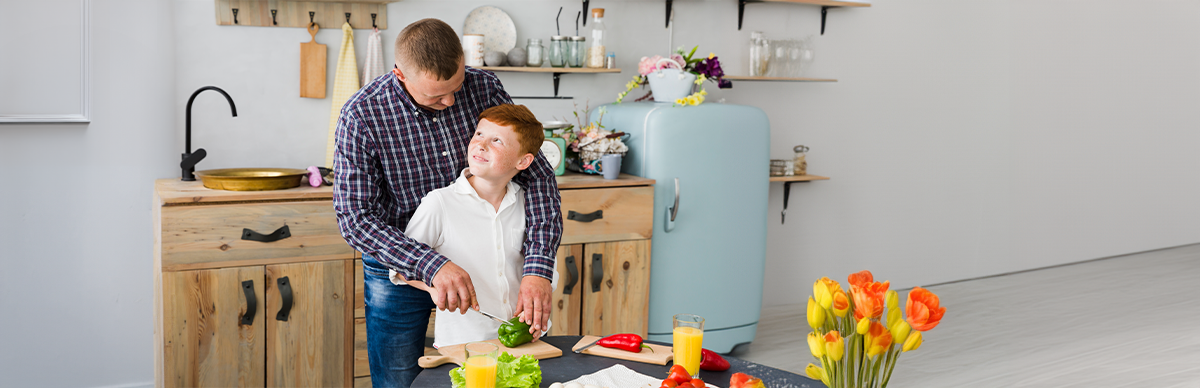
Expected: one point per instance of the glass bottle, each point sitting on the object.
(595, 53)
(533, 52)
(800, 166)
(558, 51)
(576, 51)
(756, 68)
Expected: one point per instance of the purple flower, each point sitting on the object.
(711, 68)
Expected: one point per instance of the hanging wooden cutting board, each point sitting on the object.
(660, 355)
(454, 353)
(312, 66)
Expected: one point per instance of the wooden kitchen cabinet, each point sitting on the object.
(205, 342)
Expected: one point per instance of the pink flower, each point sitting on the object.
(678, 59)
(648, 64)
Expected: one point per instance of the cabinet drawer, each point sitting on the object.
(212, 236)
(610, 214)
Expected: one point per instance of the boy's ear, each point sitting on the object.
(524, 162)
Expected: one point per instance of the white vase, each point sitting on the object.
(669, 85)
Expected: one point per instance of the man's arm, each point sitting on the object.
(543, 220)
(356, 199)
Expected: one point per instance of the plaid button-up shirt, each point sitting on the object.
(390, 153)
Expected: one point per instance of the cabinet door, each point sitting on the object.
(313, 346)
(205, 342)
(616, 287)
(565, 312)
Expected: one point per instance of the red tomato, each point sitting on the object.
(679, 374)
(698, 383)
(686, 385)
(668, 383)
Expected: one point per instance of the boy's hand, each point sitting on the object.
(534, 304)
(453, 290)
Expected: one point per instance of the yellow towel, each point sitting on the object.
(345, 83)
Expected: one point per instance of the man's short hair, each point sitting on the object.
(522, 121)
(429, 46)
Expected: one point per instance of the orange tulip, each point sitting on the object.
(869, 299)
(858, 279)
(924, 309)
(877, 340)
(841, 304)
(835, 346)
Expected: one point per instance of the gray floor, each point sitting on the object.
(1129, 321)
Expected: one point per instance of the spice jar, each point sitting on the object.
(801, 166)
(577, 50)
(533, 51)
(558, 51)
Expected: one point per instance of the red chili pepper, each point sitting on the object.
(626, 342)
(710, 360)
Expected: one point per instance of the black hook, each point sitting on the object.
(310, 17)
(273, 22)
(373, 25)
(347, 18)
(235, 16)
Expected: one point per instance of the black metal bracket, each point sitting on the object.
(669, 14)
(742, 12)
(373, 25)
(235, 10)
(574, 272)
(787, 192)
(251, 302)
(824, 11)
(597, 271)
(273, 22)
(557, 78)
(285, 291)
(585, 12)
(279, 234)
(581, 217)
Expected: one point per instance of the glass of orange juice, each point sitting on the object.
(481, 364)
(688, 337)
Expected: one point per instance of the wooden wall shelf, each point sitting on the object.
(782, 79)
(824, 4)
(326, 13)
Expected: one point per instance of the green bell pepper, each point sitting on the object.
(514, 333)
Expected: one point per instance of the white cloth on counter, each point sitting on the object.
(374, 67)
(620, 376)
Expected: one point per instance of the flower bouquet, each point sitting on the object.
(587, 143)
(867, 355)
(667, 76)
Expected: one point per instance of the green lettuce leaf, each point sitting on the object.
(511, 372)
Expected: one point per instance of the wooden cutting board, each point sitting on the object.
(312, 66)
(660, 356)
(454, 353)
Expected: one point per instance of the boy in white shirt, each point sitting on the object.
(479, 220)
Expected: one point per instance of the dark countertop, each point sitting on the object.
(570, 366)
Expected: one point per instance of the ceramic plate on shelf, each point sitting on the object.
(499, 32)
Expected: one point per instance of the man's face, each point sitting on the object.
(430, 93)
(495, 153)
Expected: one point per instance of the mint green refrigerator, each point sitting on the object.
(711, 167)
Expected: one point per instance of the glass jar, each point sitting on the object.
(558, 51)
(595, 53)
(576, 49)
(800, 166)
(533, 51)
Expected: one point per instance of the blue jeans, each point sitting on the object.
(397, 317)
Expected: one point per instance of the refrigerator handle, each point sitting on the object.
(673, 210)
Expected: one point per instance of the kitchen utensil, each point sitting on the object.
(251, 179)
(455, 353)
(657, 354)
(497, 28)
(312, 66)
(493, 317)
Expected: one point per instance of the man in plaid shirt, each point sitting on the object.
(400, 137)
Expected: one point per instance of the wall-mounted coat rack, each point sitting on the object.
(361, 14)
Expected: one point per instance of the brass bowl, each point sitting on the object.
(251, 179)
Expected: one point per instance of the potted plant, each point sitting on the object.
(675, 78)
(588, 142)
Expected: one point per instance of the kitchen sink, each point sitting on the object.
(251, 179)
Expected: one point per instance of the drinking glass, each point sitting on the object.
(688, 337)
(481, 364)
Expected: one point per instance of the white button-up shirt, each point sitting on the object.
(456, 222)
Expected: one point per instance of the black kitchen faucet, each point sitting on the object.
(191, 158)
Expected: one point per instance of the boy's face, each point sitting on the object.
(495, 152)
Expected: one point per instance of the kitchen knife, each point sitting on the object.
(493, 317)
(577, 351)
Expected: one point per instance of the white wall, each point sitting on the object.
(964, 139)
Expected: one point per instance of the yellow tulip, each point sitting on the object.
(841, 304)
(863, 325)
(835, 346)
(900, 331)
(816, 344)
(823, 294)
(914, 341)
(877, 340)
(893, 299)
(893, 315)
(816, 314)
(816, 373)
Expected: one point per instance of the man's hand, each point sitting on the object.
(534, 304)
(453, 290)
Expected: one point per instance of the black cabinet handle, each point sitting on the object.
(597, 271)
(285, 290)
(589, 217)
(574, 272)
(278, 234)
(251, 302)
